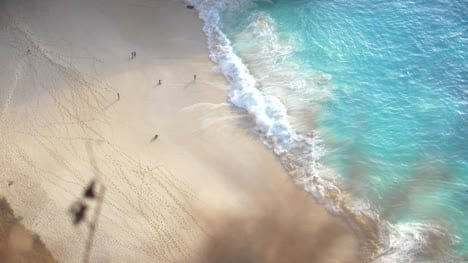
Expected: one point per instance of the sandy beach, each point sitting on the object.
(75, 107)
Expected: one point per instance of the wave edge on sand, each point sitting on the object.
(300, 154)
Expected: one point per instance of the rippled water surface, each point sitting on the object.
(384, 85)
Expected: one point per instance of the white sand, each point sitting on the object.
(205, 183)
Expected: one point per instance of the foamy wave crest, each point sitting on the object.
(300, 152)
(270, 114)
(265, 43)
(416, 242)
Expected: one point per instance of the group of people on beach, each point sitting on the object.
(132, 56)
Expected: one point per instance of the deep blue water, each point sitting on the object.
(385, 85)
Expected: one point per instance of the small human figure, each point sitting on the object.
(78, 212)
(118, 96)
(90, 191)
(10, 183)
(133, 54)
(28, 52)
(159, 82)
(155, 138)
(194, 77)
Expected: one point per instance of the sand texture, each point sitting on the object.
(75, 107)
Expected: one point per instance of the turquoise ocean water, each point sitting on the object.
(369, 98)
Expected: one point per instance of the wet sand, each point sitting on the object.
(206, 190)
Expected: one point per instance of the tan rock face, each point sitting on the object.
(17, 244)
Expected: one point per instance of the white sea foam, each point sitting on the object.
(270, 114)
(402, 242)
(414, 242)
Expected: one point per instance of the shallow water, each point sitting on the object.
(383, 84)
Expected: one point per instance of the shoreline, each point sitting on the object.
(189, 192)
(276, 132)
(298, 150)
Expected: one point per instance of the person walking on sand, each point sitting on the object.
(194, 77)
(155, 138)
(159, 82)
(118, 96)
